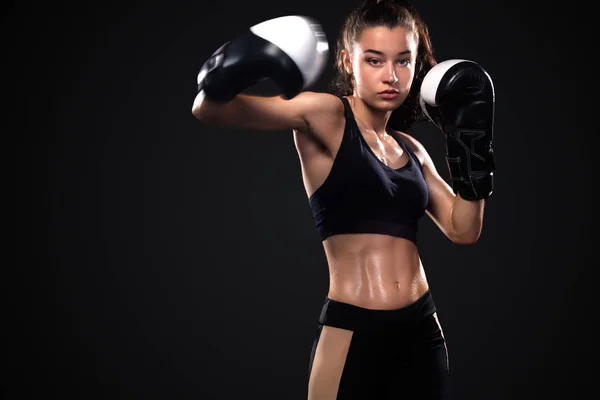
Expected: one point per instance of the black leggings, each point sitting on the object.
(390, 354)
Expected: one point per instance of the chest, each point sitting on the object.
(385, 149)
(392, 178)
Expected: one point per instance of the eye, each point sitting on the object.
(373, 61)
(404, 62)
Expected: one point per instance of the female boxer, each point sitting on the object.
(378, 335)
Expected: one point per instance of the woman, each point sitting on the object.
(378, 335)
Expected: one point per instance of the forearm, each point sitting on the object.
(466, 218)
(217, 113)
(242, 112)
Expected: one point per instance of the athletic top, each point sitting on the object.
(363, 195)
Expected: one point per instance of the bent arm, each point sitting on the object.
(251, 112)
(305, 112)
(459, 219)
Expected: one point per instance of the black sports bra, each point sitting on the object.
(363, 195)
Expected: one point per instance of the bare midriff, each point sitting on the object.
(374, 271)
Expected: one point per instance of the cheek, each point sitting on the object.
(364, 77)
(406, 77)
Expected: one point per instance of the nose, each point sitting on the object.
(389, 74)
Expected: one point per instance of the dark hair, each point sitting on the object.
(388, 13)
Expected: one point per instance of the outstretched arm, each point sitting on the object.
(289, 50)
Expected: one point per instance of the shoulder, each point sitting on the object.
(323, 113)
(324, 118)
(319, 103)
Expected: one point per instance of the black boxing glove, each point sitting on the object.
(290, 50)
(458, 97)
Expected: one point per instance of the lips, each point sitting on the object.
(389, 94)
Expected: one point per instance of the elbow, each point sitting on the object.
(200, 110)
(465, 239)
(198, 114)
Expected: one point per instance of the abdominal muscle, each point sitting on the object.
(374, 271)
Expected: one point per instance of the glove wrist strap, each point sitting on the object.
(471, 174)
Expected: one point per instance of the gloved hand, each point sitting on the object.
(290, 50)
(458, 97)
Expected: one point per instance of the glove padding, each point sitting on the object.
(290, 50)
(458, 97)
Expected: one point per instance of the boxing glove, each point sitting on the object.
(290, 50)
(458, 97)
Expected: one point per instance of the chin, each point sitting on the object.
(388, 105)
(383, 105)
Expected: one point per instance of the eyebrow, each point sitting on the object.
(381, 53)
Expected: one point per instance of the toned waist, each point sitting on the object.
(377, 296)
(383, 273)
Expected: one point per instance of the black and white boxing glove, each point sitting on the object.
(458, 97)
(292, 51)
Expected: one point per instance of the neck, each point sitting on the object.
(370, 118)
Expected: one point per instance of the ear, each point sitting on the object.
(347, 62)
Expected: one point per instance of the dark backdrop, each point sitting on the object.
(158, 258)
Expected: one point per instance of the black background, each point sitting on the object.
(159, 258)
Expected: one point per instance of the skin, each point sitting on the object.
(368, 270)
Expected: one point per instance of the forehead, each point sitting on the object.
(386, 40)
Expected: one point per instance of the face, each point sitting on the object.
(382, 63)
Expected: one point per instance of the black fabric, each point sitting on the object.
(363, 195)
(393, 354)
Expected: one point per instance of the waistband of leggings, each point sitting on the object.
(351, 317)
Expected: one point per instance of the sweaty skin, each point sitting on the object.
(374, 271)
(367, 270)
